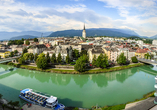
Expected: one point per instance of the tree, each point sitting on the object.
(147, 56)
(80, 65)
(21, 60)
(11, 54)
(42, 62)
(1, 96)
(53, 58)
(94, 60)
(121, 59)
(134, 59)
(48, 57)
(13, 104)
(68, 59)
(59, 58)
(42, 55)
(26, 56)
(83, 52)
(24, 51)
(35, 57)
(76, 53)
(31, 56)
(102, 61)
(27, 42)
(0, 57)
(35, 40)
(15, 52)
(85, 58)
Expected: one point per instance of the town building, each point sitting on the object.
(4, 53)
(154, 42)
(37, 49)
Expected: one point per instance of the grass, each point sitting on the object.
(122, 106)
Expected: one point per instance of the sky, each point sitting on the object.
(55, 15)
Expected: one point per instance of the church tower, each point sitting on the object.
(84, 32)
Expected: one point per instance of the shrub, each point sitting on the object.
(134, 59)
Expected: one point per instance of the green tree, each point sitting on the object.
(11, 54)
(15, 52)
(48, 57)
(83, 52)
(53, 58)
(14, 104)
(68, 59)
(85, 58)
(31, 57)
(121, 59)
(21, 60)
(42, 62)
(134, 59)
(27, 42)
(26, 56)
(59, 58)
(94, 60)
(35, 40)
(42, 55)
(147, 56)
(24, 51)
(1, 96)
(102, 61)
(76, 53)
(35, 57)
(80, 65)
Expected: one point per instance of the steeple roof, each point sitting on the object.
(84, 27)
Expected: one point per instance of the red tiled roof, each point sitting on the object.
(141, 51)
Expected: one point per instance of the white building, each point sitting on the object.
(84, 32)
(140, 42)
(154, 42)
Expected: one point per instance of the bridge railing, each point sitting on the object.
(147, 60)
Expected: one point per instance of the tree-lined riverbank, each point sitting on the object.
(88, 71)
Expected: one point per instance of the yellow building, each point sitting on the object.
(94, 51)
(140, 53)
(107, 52)
(4, 53)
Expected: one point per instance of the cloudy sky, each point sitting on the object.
(55, 15)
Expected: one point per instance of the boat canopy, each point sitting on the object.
(51, 99)
(25, 90)
(155, 86)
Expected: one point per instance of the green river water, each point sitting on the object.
(80, 90)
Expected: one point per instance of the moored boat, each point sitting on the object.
(41, 99)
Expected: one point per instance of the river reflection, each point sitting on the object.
(81, 90)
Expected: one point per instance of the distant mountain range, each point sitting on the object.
(24, 37)
(70, 33)
(20, 35)
(96, 32)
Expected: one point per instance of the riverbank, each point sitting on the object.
(68, 71)
(124, 106)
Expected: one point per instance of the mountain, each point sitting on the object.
(9, 35)
(24, 36)
(96, 32)
(153, 37)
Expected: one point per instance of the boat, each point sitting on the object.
(41, 99)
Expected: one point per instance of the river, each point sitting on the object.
(80, 90)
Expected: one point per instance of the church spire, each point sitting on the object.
(84, 27)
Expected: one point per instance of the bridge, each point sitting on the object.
(147, 61)
(8, 59)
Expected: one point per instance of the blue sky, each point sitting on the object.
(55, 15)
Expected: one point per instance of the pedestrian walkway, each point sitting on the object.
(34, 107)
(146, 104)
